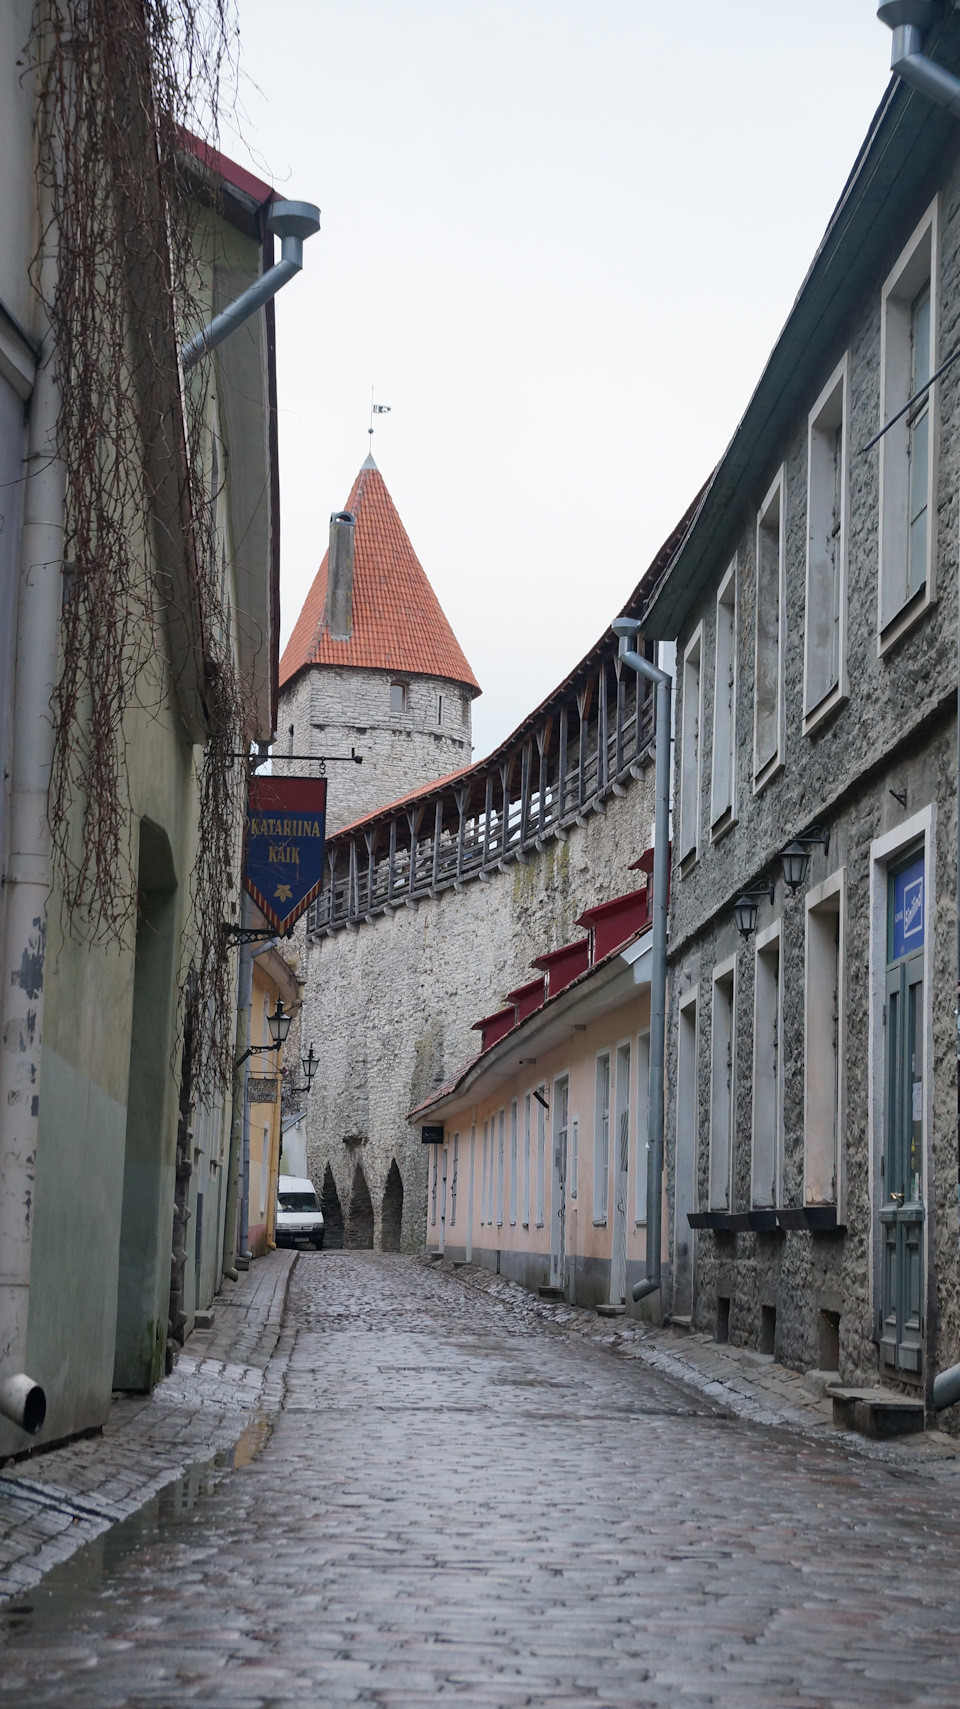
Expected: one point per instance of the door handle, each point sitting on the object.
(897, 1198)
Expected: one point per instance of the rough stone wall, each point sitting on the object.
(330, 709)
(896, 731)
(390, 1005)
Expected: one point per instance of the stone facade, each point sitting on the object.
(332, 708)
(876, 767)
(390, 1005)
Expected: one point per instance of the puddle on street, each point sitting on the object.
(78, 1593)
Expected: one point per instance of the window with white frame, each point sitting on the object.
(398, 697)
(601, 1139)
(561, 1126)
(722, 1085)
(526, 1160)
(453, 1179)
(643, 1124)
(483, 1176)
(767, 1134)
(768, 685)
(825, 626)
(724, 769)
(574, 1155)
(691, 711)
(513, 1163)
(541, 1154)
(823, 1041)
(500, 1150)
(439, 708)
(433, 1190)
(908, 344)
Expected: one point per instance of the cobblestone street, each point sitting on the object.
(461, 1499)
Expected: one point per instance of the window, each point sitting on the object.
(690, 714)
(767, 1072)
(722, 1087)
(768, 690)
(464, 708)
(398, 697)
(453, 1179)
(823, 1044)
(526, 1160)
(908, 343)
(264, 1171)
(513, 1163)
(601, 1140)
(439, 708)
(433, 1190)
(561, 1128)
(483, 1178)
(824, 640)
(541, 1149)
(500, 1128)
(643, 1124)
(574, 1155)
(723, 779)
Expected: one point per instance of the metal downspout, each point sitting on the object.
(908, 19)
(27, 874)
(627, 629)
(293, 223)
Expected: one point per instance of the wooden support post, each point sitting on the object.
(487, 815)
(602, 729)
(370, 838)
(505, 821)
(526, 773)
(332, 863)
(562, 766)
(543, 737)
(392, 862)
(353, 883)
(618, 753)
(413, 820)
(437, 834)
(582, 704)
(461, 799)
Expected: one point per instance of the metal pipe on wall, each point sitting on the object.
(627, 629)
(292, 222)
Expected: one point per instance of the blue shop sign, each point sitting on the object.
(283, 856)
(908, 909)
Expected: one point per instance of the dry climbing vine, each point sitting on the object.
(121, 82)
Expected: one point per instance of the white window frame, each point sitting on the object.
(398, 711)
(483, 1177)
(601, 1139)
(766, 1148)
(824, 1105)
(830, 413)
(767, 767)
(642, 1142)
(541, 1153)
(453, 1180)
(723, 791)
(574, 1154)
(501, 1132)
(433, 1189)
(723, 1097)
(919, 261)
(514, 1112)
(528, 1100)
(691, 746)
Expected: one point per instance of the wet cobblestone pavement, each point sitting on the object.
(462, 1501)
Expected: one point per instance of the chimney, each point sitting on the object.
(340, 576)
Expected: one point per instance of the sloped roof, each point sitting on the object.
(398, 622)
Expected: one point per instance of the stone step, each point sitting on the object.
(547, 1293)
(611, 1310)
(876, 1412)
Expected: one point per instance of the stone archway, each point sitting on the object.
(391, 1221)
(332, 1213)
(360, 1215)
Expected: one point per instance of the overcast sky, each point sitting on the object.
(560, 239)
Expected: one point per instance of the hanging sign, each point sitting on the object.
(431, 1135)
(283, 857)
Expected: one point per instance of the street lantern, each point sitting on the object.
(279, 1024)
(747, 907)
(795, 858)
(309, 1064)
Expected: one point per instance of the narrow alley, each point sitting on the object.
(457, 1499)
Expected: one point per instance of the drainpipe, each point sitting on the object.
(627, 629)
(908, 19)
(293, 223)
(26, 877)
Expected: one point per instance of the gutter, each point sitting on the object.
(293, 223)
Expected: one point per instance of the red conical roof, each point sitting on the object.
(398, 622)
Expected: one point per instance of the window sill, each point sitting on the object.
(688, 862)
(903, 622)
(767, 774)
(599, 1222)
(721, 826)
(825, 708)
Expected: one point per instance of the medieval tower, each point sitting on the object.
(373, 664)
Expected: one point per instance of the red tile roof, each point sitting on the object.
(398, 622)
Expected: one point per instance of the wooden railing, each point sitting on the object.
(551, 775)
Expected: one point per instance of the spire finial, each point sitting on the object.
(375, 409)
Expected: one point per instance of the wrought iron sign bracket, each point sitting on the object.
(251, 934)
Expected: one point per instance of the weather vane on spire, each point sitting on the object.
(375, 409)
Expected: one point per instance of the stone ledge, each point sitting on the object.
(879, 1413)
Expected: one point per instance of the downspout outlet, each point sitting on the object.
(24, 1401)
(946, 1388)
(909, 19)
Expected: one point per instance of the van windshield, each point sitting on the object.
(298, 1201)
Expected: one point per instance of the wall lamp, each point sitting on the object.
(795, 858)
(747, 907)
(279, 1024)
(309, 1065)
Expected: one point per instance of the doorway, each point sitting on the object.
(902, 1212)
(391, 1219)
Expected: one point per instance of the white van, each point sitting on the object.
(299, 1216)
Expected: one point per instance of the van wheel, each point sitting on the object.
(318, 1242)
